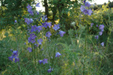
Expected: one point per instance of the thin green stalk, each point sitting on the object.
(84, 54)
(35, 56)
(33, 53)
(19, 67)
(109, 34)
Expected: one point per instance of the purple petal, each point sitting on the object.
(45, 61)
(61, 33)
(57, 54)
(56, 27)
(40, 61)
(87, 4)
(48, 34)
(102, 43)
(40, 41)
(37, 5)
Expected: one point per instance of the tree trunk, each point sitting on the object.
(46, 7)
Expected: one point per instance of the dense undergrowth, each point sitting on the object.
(40, 48)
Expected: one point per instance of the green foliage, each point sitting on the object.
(80, 55)
(71, 62)
(12, 10)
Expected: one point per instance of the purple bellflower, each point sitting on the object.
(44, 18)
(61, 33)
(46, 24)
(28, 21)
(31, 12)
(40, 61)
(32, 38)
(92, 24)
(87, 4)
(49, 24)
(57, 54)
(85, 11)
(37, 5)
(82, 8)
(101, 27)
(48, 34)
(84, 1)
(29, 49)
(45, 61)
(34, 28)
(56, 27)
(37, 12)
(39, 28)
(15, 53)
(102, 43)
(96, 25)
(15, 21)
(100, 33)
(29, 9)
(96, 37)
(50, 70)
(40, 41)
(14, 56)
(36, 45)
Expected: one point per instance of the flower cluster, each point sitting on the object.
(56, 27)
(29, 49)
(14, 56)
(101, 27)
(46, 24)
(84, 9)
(32, 38)
(44, 61)
(36, 28)
(28, 20)
(33, 31)
(44, 18)
(29, 9)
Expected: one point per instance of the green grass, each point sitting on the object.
(80, 56)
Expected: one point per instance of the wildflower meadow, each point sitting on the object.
(77, 41)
